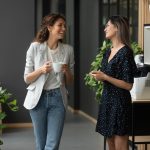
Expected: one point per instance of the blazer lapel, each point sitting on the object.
(43, 52)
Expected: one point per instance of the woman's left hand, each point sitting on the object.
(98, 75)
(65, 68)
(68, 73)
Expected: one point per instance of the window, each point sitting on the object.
(127, 8)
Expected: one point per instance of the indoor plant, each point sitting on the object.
(5, 99)
(95, 85)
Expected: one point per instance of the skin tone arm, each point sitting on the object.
(68, 74)
(46, 68)
(99, 75)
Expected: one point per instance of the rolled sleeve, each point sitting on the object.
(29, 65)
(71, 61)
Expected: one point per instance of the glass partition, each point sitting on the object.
(127, 8)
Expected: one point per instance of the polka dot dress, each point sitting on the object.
(115, 108)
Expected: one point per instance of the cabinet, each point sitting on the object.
(140, 132)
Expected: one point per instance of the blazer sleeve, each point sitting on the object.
(71, 60)
(29, 65)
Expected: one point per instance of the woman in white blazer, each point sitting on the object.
(46, 98)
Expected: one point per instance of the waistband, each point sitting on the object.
(50, 91)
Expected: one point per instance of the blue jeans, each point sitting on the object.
(48, 120)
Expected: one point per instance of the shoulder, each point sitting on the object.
(127, 51)
(37, 46)
(67, 48)
(127, 54)
(106, 52)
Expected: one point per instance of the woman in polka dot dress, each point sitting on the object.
(117, 73)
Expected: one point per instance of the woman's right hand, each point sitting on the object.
(47, 67)
(98, 75)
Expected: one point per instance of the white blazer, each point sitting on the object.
(36, 56)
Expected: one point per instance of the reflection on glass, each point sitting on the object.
(113, 7)
(105, 1)
(127, 8)
(123, 7)
(105, 11)
(133, 7)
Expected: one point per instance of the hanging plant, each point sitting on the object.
(95, 85)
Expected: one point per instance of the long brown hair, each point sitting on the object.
(49, 20)
(122, 24)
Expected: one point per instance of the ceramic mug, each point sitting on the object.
(57, 66)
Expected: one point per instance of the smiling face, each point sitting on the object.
(110, 30)
(58, 29)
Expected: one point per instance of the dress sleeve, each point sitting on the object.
(129, 68)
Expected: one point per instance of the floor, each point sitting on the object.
(79, 134)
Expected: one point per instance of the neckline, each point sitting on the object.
(53, 51)
(108, 61)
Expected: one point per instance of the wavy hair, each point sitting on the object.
(49, 20)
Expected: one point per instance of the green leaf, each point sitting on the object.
(2, 115)
(13, 105)
(2, 126)
(1, 142)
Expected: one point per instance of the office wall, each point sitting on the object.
(89, 43)
(83, 21)
(38, 13)
(69, 14)
(16, 33)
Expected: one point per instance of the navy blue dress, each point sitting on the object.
(115, 108)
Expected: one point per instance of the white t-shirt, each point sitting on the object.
(54, 55)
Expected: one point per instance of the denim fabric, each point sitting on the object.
(48, 120)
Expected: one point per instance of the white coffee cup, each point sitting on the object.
(57, 66)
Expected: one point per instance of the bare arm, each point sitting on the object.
(68, 69)
(68, 74)
(99, 75)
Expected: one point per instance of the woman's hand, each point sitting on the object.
(68, 74)
(65, 68)
(98, 75)
(46, 68)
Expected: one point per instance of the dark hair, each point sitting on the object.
(49, 20)
(122, 23)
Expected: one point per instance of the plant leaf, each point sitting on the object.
(13, 105)
(2, 115)
(1, 142)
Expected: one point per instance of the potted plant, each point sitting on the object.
(95, 85)
(5, 99)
